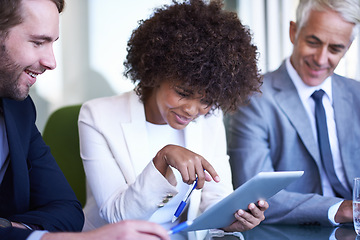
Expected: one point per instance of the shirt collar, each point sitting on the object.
(304, 90)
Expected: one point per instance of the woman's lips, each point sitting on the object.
(182, 120)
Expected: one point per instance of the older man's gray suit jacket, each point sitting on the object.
(273, 133)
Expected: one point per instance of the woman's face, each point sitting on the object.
(174, 105)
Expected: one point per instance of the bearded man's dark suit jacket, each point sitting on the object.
(273, 133)
(34, 190)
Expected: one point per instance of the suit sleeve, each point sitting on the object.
(254, 145)
(52, 203)
(14, 234)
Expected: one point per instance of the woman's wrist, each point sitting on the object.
(160, 163)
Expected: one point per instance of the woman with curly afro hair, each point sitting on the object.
(190, 61)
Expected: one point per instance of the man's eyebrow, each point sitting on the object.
(44, 38)
(342, 46)
(314, 37)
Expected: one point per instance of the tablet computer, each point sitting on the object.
(261, 186)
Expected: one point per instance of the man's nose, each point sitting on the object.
(48, 59)
(321, 56)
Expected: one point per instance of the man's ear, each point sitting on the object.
(292, 31)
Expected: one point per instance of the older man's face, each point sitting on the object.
(320, 45)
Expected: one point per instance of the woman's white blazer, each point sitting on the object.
(113, 137)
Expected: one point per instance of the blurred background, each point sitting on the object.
(94, 35)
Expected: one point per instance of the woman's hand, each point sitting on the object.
(189, 164)
(246, 220)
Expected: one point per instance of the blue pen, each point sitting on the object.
(183, 203)
(179, 227)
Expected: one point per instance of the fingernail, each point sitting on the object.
(261, 203)
(240, 212)
(251, 206)
(217, 179)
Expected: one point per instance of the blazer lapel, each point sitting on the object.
(18, 162)
(289, 101)
(136, 135)
(343, 110)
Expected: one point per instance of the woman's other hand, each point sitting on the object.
(189, 164)
(246, 220)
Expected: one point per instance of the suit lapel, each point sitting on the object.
(18, 162)
(289, 101)
(344, 112)
(136, 135)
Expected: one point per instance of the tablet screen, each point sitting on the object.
(262, 186)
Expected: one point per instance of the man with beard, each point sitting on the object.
(34, 194)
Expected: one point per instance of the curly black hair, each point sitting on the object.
(197, 45)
